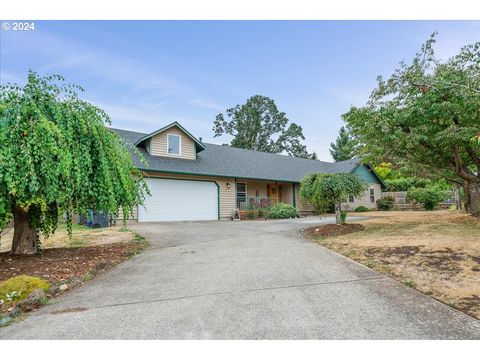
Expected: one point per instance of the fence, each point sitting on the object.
(401, 197)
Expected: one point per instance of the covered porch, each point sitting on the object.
(263, 194)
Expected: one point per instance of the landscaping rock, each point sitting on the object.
(37, 294)
(54, 290)
(32, 302)
(13, 312)
(75, 280)
(4, 320)
(63, 287)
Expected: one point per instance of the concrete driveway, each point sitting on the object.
(242, 280)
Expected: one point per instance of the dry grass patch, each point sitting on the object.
(82, 236)
(437, 253)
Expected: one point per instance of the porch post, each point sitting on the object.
(294, 202)
(276, 192)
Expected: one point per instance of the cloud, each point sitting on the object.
(61, 53)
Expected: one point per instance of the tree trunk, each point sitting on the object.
(24, 235)
(458, 199)
(474, 198)
(337, 213)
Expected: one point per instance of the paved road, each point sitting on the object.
(242, 280)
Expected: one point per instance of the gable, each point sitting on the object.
(366, 173)
(158, 144)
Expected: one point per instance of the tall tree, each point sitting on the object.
(56, 157)
(259, 125)
(344, 147)
(427, 115)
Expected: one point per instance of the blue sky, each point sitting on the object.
(147, 74)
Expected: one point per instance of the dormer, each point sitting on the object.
(172, 141)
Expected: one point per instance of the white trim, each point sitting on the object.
(246, 191)
(179, 144)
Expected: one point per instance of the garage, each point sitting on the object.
(179, 200)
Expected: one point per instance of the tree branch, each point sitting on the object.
(461, 170)
(474, 156)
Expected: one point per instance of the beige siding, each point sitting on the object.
(365, 199)
(227, 196)
(158, 144)
(132, 216)
(253, 186)
(261, 187)
(287, 193)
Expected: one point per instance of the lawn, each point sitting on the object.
(437, 253)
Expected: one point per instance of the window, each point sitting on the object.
(372, 195)
(241, 192)
(173, 144)
(351, 199)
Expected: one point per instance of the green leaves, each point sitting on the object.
(425, 115)
(323, 190)
(259, 125)
(57, 155)
(344, 147)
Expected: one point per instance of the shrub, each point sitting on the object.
(407, 183)
(386, 203)
(343, 216)
(361, 209)
(283, 211)
(263, 212)
(19, 287)
(429, 197)
(252, 214)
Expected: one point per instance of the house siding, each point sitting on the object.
(287, 193)
(365, 173)
(158, 144)
(364, 200)
(132, 216)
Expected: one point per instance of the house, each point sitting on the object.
(192, 180)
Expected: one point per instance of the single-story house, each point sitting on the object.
(192, 180)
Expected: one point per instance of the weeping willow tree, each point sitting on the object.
(58, 157)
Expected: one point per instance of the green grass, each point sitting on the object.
(138, 238)
(88, 276)
(409, 283)
(23, 285)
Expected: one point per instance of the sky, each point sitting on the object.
(146, 74)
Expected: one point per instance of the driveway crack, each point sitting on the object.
(239, 291)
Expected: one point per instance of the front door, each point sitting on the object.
(272, 193)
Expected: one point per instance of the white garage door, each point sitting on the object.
(180, 200)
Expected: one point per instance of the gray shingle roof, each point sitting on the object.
(227, 161)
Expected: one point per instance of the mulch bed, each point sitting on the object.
(58, 265)
(330, 230)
